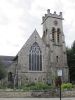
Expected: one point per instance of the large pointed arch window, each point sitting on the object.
(35, 58)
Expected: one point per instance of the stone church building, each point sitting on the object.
(42, 59)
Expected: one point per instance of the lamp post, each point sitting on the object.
(59, 81)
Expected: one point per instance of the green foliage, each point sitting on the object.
(40, 86)
(71, 62)
(73, 86)
(30, 84)
(67, 86)
(25, 88)
(2, 71)
(73, 47)
(3, 87)
(36, 86)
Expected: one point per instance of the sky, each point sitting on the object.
(19, 18)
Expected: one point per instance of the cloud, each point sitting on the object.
(39, 8)
(19, 18)
(69, 22)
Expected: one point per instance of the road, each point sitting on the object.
(36, 99)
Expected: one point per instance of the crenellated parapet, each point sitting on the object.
(54, 15)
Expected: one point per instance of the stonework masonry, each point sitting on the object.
(53, 51)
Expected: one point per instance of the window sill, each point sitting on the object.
(34, 71)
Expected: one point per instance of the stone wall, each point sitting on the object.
(38, 94)
(68, 93)
(16, 94)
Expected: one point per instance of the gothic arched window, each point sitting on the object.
(35, 58)
(58, 35)
(53, 34)
(46, 31)
(57, 58)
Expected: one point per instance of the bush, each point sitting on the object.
(30, 84)
(24, 88)
(2, 71)
(73, 86)
(35, 86)
(67, 86)
(40, 86)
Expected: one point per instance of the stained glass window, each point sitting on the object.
(35, 58)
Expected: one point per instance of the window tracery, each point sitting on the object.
(35, 58)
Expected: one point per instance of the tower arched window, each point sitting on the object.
(57, 58)
(53, 34)
(58, 35)
(35, 58)
(46, 31)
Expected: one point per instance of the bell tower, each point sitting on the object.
(53, 38)
(52, 28)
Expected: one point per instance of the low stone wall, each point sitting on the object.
(13, 94)
(68, 93)
(39, 94)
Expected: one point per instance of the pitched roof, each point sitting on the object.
(6, 60)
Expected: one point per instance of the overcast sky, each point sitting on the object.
(19, 18)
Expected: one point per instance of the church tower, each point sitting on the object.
(42, 60)
(53, 38)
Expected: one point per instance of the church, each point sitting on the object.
(42, 59)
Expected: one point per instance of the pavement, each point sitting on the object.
(37, 98)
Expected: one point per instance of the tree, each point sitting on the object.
(2, 71)
(73, 47)
(71, 62)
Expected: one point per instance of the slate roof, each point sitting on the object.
(7, 60)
